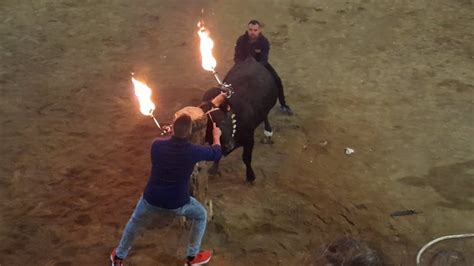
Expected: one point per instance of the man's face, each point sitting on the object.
(253, 30)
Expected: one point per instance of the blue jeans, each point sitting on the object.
(144, 210)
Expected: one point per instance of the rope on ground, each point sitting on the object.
(423, 249)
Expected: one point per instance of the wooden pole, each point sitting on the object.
(199, 179)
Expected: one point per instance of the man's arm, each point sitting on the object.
(216, 133)
(213, 153)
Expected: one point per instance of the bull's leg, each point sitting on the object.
(214, 169)
(268, 128)
(268, 132)
(247, 158)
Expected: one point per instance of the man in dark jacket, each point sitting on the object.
(253, 43)
(167, 192)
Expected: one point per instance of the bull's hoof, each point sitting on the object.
(250, 177)
(286, 110)
(250, 182)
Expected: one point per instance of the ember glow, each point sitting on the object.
(143, 93)
(208, 61)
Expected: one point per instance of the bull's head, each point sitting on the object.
(219, 112)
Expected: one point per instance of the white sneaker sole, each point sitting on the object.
(200, 263)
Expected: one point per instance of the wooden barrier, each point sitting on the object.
(199, 179)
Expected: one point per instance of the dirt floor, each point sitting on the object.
(391, 79)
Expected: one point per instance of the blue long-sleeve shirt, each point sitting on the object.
(173, 161)
(259, 49)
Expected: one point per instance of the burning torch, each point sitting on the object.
(143, 93)
(209, 63)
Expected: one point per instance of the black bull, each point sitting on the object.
(255, 94)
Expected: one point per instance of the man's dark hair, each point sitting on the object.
(255, 22)
(181, 126)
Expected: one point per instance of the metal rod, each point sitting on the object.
(156, 121)
(217, 77)
(418, 257)
(212, 120)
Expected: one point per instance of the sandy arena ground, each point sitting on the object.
(392, 79)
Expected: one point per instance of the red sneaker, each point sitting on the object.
(116, 261)
(201, 258)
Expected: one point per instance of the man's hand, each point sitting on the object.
(219, 99)
(216, 133)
